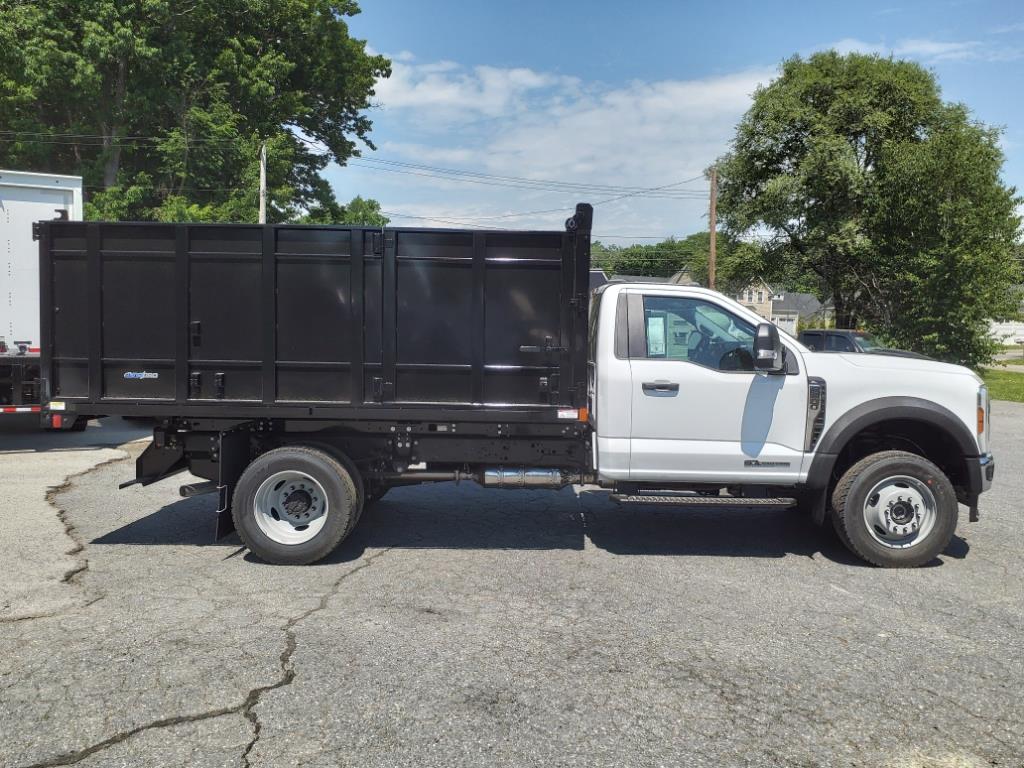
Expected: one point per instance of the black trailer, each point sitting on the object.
(392, 355)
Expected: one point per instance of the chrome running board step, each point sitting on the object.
(694, 500)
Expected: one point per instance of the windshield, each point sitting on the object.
(867, 342)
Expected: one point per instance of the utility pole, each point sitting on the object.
(713, 247)
(263, 183)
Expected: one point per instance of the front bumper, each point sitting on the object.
(982, 471)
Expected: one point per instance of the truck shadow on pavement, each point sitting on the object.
(445, 516)
(24, 435)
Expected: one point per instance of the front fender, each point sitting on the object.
(873, 412)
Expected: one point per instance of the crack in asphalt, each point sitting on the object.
(78, 546)
(29, 617)
(248, 705)
(288, 670)
(70, 758)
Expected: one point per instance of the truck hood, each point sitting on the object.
(906, 363)
(823, 363)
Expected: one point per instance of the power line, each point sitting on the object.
(457, 222)
(523, 179)
(665, 191)
(519, 179)
(93, 139)
(460, 172)
(525, 184)
(381, 164)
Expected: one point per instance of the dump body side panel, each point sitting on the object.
(287, 321)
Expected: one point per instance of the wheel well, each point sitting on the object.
(919, 437)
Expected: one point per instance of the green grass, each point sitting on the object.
(1004, 385)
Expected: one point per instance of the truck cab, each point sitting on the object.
(689, 390)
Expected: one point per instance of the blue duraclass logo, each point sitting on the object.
(141, 375)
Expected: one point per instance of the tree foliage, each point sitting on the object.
(162, 105)
(879, 196)
(737, 262)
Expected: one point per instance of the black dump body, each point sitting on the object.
(314, 322)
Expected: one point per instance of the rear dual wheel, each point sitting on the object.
(295, 505)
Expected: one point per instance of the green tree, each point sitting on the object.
(364, 212)
(879, 196)
(737, 262)
(162, 105)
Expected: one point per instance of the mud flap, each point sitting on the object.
(816, 501)
(233, 459)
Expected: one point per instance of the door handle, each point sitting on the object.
(661, 388)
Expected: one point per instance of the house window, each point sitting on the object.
(760, 297)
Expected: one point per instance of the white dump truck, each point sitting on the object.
(302, 371)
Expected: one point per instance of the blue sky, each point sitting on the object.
(632, 95)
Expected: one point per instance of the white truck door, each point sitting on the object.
(700, 413)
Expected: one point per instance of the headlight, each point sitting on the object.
(984, 418)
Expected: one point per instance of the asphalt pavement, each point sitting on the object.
(462, 626)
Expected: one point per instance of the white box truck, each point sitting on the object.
(26, 198)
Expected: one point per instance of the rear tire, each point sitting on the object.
(295, 505)
(895, 509)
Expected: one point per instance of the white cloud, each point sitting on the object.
(936, 50)
(525, 123)
(931, 51)
(447, 90)
(1009, 29)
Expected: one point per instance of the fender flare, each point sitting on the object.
(874, 412)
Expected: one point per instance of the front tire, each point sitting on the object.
(295, 505)
(895, 509)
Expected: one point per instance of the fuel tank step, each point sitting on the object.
(694, 500)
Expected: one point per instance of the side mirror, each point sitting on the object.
(768, 349)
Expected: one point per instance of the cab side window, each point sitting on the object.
(697, 331)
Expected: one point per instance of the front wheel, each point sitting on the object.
(895, 509)
(294, 505)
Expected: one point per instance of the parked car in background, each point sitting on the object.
(845, 340)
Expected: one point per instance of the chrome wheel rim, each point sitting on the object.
(900, 512)
(290, 507)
